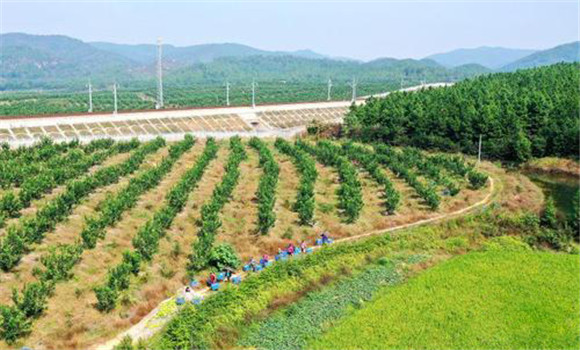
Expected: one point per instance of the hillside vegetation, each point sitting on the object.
(519, 115)
(492, 300)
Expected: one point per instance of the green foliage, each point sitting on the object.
(522, 114)
(222, 256)
(14, 324)
(106, 298)
(401, 164)
(267, 187)
(476, 179)
(32, 302)
(469, 292)
(59, 262)
(574, 217)
(309, 317)
(210, 221)
(32, 229)
(369, 162)
(146, 241)
(305, 203)
(125, 344)
(505, 243)
(548, 218)
(350, 190)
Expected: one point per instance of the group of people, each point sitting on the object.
(265, 260)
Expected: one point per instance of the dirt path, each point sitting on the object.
(151, 323)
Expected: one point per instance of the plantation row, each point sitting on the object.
(267, 187)
(179, 97)
(369, 162)
(31, 230)
(60, 260)
(210, 221)
(55, 172)
(306, 166)
(146, 241)
(350, 190)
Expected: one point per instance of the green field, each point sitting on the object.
(492, 300)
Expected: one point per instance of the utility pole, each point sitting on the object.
(401, 83)
(90, 97)
(353, 85)
(479, 151)
(159, 103)
(227, 93)
(329, 88)
(253, 93)
(115, 98)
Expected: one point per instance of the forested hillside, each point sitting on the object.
(527, 113)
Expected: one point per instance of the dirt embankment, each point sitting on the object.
(553, 165)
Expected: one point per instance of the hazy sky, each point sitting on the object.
(363, 30)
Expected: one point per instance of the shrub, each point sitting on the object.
(505, 243)
(222, 256)
(125, 344)
(476, 179)
(14, 324)
(548, 218)
(106, 298)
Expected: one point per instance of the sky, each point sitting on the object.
(363, 30)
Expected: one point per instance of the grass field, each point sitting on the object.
(491, 300)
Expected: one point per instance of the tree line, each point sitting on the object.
(528, 113)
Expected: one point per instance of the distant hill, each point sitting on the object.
(180, 56)
(563, 53)
(60, 62)
(490, 57)
(29, 61)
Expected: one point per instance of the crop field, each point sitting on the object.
(494, 300)
(95, 236)
(48, 102)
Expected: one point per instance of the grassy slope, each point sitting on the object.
(496, 300)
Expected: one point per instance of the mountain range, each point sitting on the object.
(56, 61)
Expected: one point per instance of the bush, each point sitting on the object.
(505, 243)
(548, 218)
(476, 179)
(106, 298)
(125, 344)
(14, 324)
(222, 256)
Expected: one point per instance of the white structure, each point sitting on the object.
(90, 97)
(115, 98)
(159, 103)
(329, 88)
(353, 85)
(227, 93)
(253, 93)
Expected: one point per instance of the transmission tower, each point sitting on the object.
(253, 93)
(227, 93)
(90, 97)
(115, 98)
(329, 88)
(159, 103)
(353, 85)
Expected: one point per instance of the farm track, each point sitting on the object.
(95, 263)
(37, 204)
(143, 330)
(68, 231)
